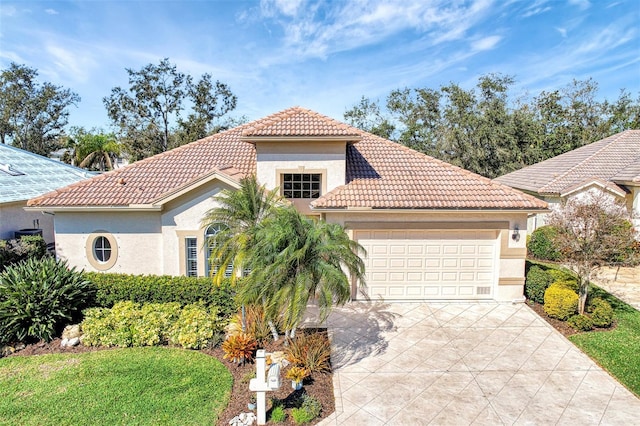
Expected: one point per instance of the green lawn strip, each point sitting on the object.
(617, 350)
(133, 386)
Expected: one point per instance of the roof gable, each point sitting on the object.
(379, 173)
(615, 159)
(25, 175)
(299, 123)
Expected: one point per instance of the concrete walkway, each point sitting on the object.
(472, 363)
(623, 283)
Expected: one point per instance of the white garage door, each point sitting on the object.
(427, 264)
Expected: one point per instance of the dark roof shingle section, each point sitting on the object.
(25, 175)
(614, 159)
(380, 173)
(299, 122)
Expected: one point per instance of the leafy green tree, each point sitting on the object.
(93, 150)
(296, 260)
(32, 114)
(485, 130)
(146, 112)
(366, 116)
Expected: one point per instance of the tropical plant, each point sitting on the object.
(239, 348)
(311, 351)
(297, 374)
(94, 150)
(296, 259)
(38, 297)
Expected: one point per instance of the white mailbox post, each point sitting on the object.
(264, 382)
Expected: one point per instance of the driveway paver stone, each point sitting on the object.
(464, 363)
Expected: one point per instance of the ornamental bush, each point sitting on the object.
(541, 245)
(309, 409)
(601, 312)
(130, 324)
(114, 288)
(536, 283)
(24, 248)
(560, 302)
(580, 322)
(38, 297)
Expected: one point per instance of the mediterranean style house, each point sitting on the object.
(431, 230)
(610, 165)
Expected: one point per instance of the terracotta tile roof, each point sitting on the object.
(147, 180)
(387, 175)
(615, 159)
(299, 122)
(379, 173)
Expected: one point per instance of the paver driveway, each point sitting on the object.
(455, 363)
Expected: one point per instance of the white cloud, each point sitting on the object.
(8, 10)
(538, 7)
(485, 43)
(51, 11)
(581, 4)
(73, 65)
(562, 31)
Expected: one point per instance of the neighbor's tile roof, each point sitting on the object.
(25, 175)
(380, 173)
(615, 159)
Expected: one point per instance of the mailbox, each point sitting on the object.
(273, 377)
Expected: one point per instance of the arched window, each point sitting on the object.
(211, 269)
(102, 249)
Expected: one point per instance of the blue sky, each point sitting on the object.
(323, 55)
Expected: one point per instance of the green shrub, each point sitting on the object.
(541, 245)
(195, 327)
(536, 283)
(23, 248)
(560, 302)
(114, 288)
(129, 324)
(278, 414)
(309, 409)
(570, 284)
(38, 297)
(561, 274)
(580, 322)
(601, 312)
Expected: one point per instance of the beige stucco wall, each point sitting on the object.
(138, 235)
(182, 218)
(510, 253)
(13, 218)
(274, 158)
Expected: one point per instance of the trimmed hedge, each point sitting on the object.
(601, 312)
(538, 280)
(114, 288)
(541, 244)
(132, 324)
(560, 302)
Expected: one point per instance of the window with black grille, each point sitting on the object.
(301, 185)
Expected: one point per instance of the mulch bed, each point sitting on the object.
(319, 386)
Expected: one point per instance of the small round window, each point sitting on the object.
(102, 249)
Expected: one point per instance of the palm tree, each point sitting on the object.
(297, 259)
(239, 214)
(94, 151)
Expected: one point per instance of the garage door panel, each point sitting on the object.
(414, 265)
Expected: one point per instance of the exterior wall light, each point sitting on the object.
(516, 234)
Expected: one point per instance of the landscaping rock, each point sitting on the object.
(20, 346)
(243, 419)
(71, 331)
(6, 351)
(278, 357)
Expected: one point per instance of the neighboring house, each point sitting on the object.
(431, 230)
(24, 175)
(611, 165)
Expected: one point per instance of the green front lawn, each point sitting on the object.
(151, 385)
(617, 350)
